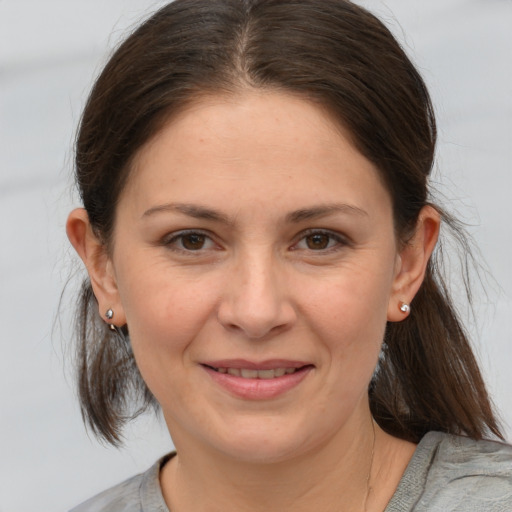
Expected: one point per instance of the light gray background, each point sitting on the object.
(49, 53)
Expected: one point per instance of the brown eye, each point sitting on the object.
(187, 242)
(318, 241)
(193, 241)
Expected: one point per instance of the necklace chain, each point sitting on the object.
(368, 488)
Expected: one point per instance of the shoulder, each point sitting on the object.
(455, 473)
(483, 457)
(140, 493)
(455, 458)
(124, 497)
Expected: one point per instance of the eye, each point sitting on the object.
(189, 241)
(320, 241)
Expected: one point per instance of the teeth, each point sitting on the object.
(266, 374)
(248, 373)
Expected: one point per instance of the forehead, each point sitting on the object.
(264, 146)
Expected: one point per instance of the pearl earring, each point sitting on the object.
(405, 308)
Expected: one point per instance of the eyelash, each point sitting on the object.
(172, 241)
(334, 241)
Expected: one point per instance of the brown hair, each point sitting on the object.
(342, 57)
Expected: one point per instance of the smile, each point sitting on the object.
(257, 381)
(249, 373)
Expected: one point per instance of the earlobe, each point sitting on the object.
(412, 264)
(98, 264)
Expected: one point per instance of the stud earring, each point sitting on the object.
(405, 308)
(109, 315)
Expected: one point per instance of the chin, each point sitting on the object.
(264, 451)
(267, 443)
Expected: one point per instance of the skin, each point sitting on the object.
(260, 279)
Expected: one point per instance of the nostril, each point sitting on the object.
(256, 311)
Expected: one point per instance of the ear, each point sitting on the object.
(98, 264)
(412, 262)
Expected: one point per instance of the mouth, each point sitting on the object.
(251, 373)
(258, 381)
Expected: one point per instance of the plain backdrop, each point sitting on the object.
(49, 53)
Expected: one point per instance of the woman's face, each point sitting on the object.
(255, 261)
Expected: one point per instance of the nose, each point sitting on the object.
(256, 299)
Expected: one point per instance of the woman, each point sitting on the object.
(258, 234)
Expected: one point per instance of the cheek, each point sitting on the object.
(164, 313)
(349, 318)
(353, 302)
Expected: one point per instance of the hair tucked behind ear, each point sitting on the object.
(341, 57)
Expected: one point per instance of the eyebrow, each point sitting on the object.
(191, 210)
(204, 213)
(316, 212)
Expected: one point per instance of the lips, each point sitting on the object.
(257, 381)
(249, 373)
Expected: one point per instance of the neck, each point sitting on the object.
(339, 476)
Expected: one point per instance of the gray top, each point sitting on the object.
(446, 474)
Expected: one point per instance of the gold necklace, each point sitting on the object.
(368, 488)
